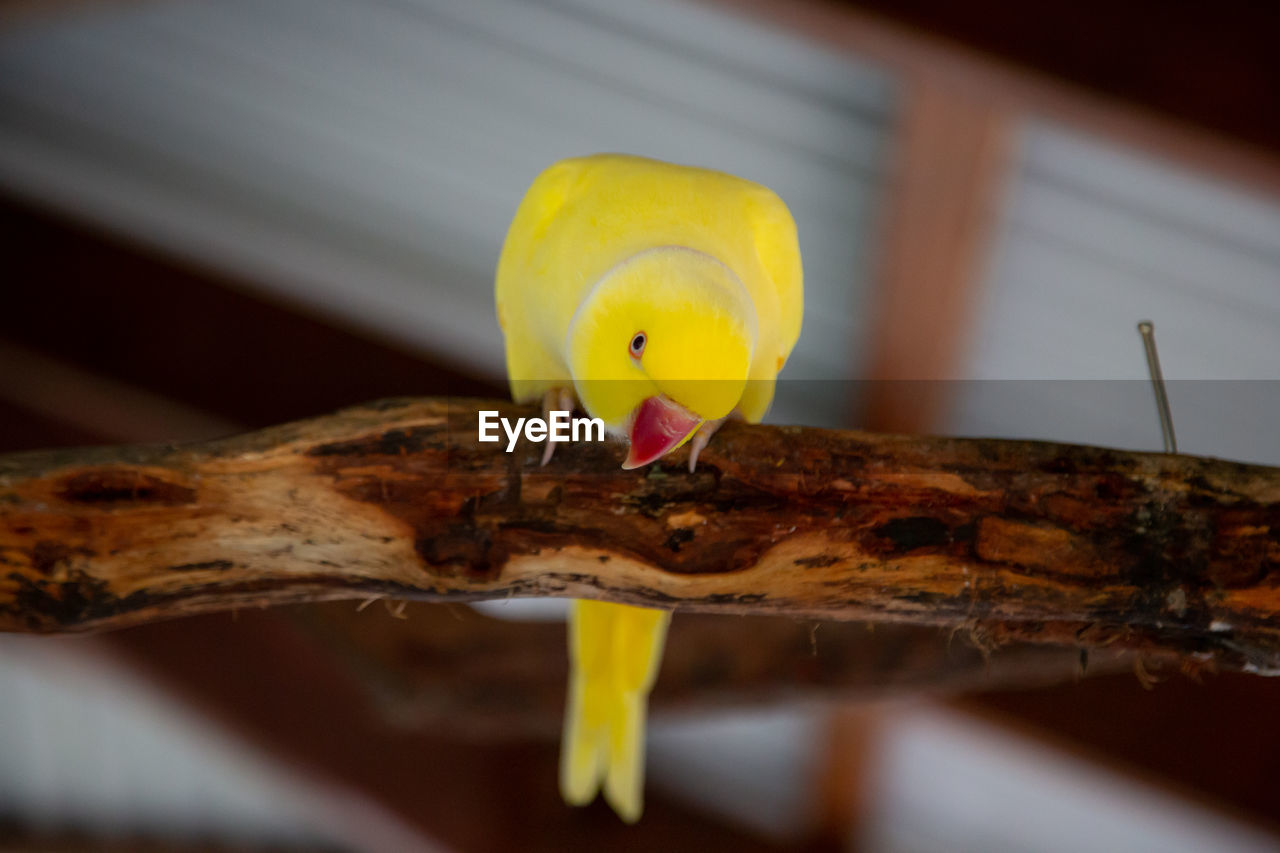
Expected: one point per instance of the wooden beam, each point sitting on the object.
(848, 767)
(1020, 540)
(1211, 67)
(24, 12)
(112, 410)
(290, 697)
(1015, 90)
(166, 327)
(1155, 729)
(942, 203)
(448, 668)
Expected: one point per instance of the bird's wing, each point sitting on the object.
(531, 368)
(779, 250)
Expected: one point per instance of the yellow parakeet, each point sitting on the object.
(663, 298)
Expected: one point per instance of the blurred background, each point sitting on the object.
(217, 216)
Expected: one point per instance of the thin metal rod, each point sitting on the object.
(1148, 331)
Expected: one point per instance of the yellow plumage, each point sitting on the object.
(664, 298)
(614, 652)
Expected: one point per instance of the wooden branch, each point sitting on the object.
(1024, 540)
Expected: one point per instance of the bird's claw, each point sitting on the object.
(555, 400)
(701, 439)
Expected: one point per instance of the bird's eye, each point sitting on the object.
(637, 344)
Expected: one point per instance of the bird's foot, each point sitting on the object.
(555, 400)
(702, 438)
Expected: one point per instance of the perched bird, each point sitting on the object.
(662, 299)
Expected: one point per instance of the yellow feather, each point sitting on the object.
(614, 654)
(583, 217)
(705, 264)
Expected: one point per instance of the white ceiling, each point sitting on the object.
(365, 158)
(1095, 237)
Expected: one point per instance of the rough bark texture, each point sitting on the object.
(1021, 540)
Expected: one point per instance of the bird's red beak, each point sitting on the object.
(659, 425)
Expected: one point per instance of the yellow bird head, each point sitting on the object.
(662, 343)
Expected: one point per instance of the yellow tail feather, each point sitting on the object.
(624, 777)
(614, 651)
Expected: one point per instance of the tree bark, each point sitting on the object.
(1014, 540)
